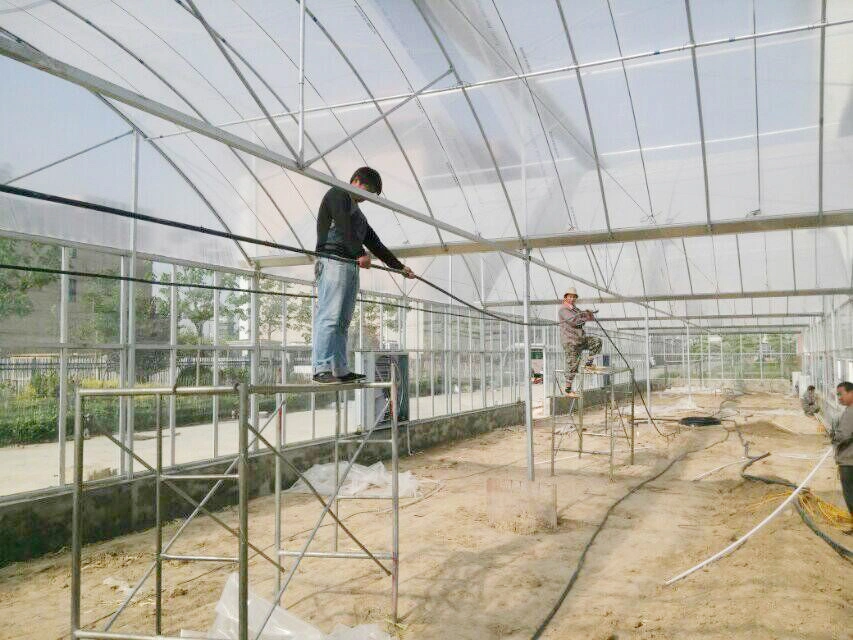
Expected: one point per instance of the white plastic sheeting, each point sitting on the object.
(366, 482)
(282, 625)
(757, 126)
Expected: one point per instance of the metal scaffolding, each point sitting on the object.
(238, 471)
(618, 413)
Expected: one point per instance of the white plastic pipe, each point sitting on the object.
(734, 545)
(720, 468)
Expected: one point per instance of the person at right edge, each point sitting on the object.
(574, 340)
(842, 440)
(342, 230)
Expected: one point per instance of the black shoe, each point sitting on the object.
(352, 377)
(325, 378)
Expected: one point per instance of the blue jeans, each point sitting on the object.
(337, 287)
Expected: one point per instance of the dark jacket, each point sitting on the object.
(343, 230)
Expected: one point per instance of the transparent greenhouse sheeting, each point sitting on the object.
(538, 174)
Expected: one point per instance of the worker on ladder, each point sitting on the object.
(575, 341)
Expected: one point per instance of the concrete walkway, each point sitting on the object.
(36, 466)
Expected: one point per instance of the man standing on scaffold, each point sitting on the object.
(342, 230)
(574, 340)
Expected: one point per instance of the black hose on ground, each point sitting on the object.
(841, 550)
(571, 583)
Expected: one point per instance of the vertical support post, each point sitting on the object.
(722, 357)
(418, 360)
(546, 332)
(243, 508)
(483, 385)
(648, 367)
(158, 520)
(255, 354)
(611, 423)
(280, 439)
(335, 458)
(833, 367)
(470, 359)
(277, 520)
(553, 415)
(173, 362)
(761, 355)
(740, 354)
(313, 396)
(381, 324)
(581, 378)
(122, 368)
(403, 322)
(432, 360)
(500, 359)
(77, 515)
(130, 355)
(217, 281)
(528, 388)
(459, 361)
(62, 418)
(689, 378)
(448, 383)
(395, 498)
(781, 359)
(633, 381)
(284, 359)
(301, 142)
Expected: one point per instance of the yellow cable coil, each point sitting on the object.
(815, 506)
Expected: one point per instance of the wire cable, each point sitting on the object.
(810, 523)
(122, 213)
(571, 583)
(210, 287)
(634, 380)
(737, 543)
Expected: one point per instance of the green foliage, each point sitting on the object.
(32, 420)
(16, 285)
(45, 384)
(299, 318)
(194, 305)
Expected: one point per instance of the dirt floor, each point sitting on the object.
(464, 576)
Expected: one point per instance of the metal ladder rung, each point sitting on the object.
(169, 556)
(351, 555)
(200, 476)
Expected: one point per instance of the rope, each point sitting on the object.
(122, 213)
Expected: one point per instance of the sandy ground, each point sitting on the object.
(464, 577)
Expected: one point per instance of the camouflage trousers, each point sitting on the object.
(591, 344)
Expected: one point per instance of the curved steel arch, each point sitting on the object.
(294, 115)
(186, 101)
(159, 150)
(446, 156)
(260, 78)
(533, 99)
(486, 142)
(391, 130)
(197, 111)
(431, 125)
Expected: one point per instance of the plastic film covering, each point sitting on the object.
(488, 148)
